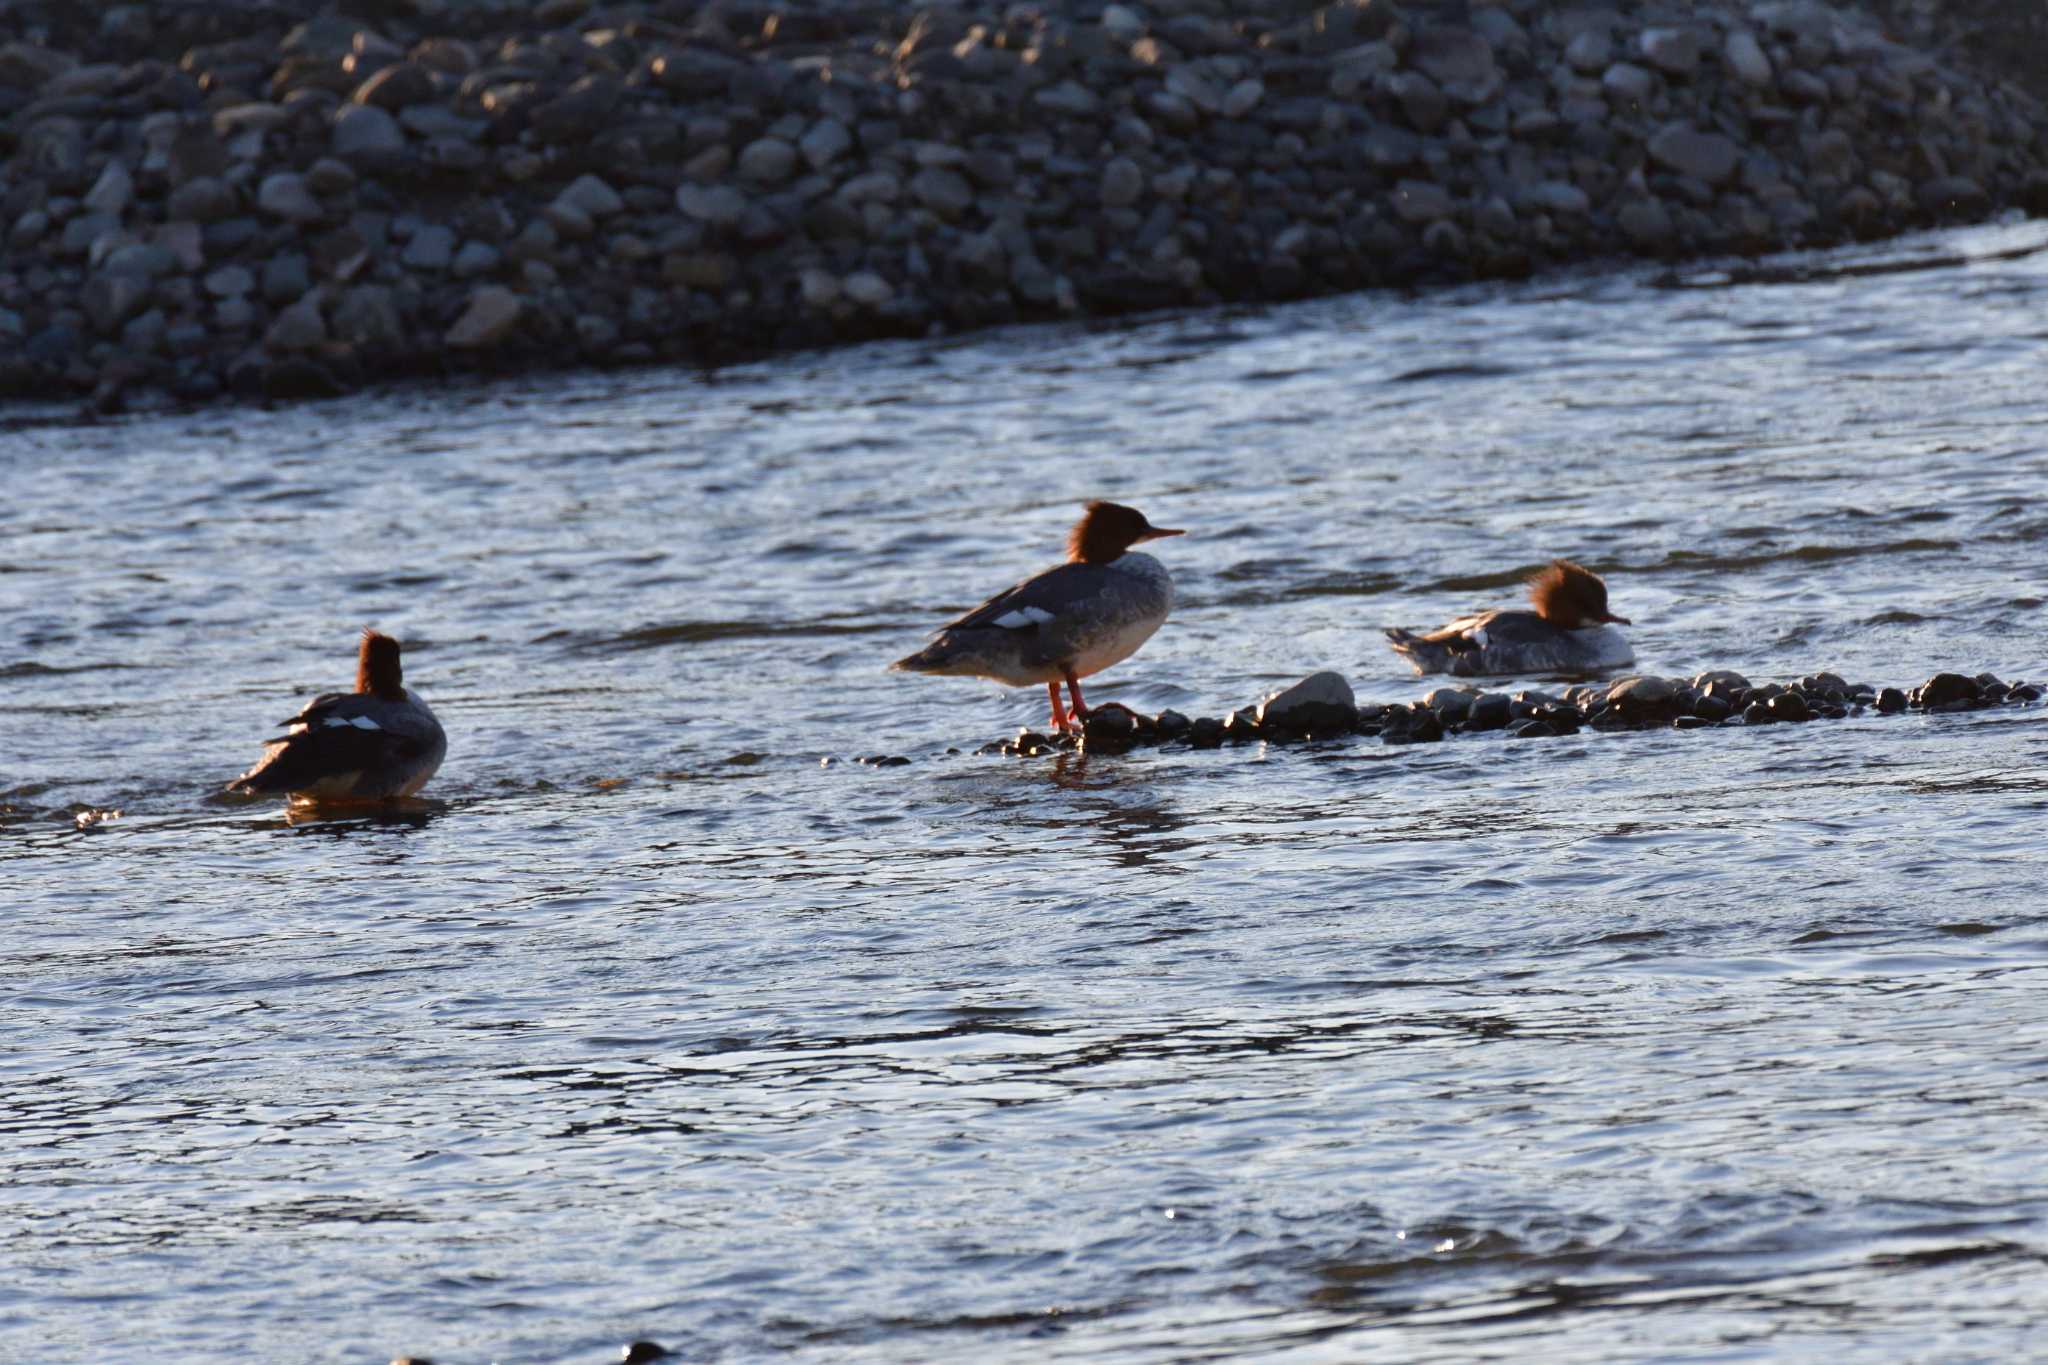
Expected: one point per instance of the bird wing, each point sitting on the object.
(1040, 600)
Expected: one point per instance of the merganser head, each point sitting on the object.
(377, 669)
(1569, 597)
(1106, 530)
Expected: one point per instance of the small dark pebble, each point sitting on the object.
(1531, 729)
(1690, 722)
(1890, 701)
(1711, 708)
(638, 1351)
(1171, 724)
(892, 761)
(1758, 713)
(1790, 706)
(1109, 731)
(1206, 733)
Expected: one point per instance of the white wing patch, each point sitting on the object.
(1023, 617)
(1477, 635)
(360, 722)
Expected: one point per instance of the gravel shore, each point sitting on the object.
(266, 200)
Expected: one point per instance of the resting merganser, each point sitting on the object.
(1567, 633)
(376, 743)
(1066, 623)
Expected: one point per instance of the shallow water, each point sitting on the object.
(1717, 1045)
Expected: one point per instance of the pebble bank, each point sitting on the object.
(239, 199)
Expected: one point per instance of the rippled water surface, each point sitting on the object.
(1715, 1045)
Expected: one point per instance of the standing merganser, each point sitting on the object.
(376, 743)
(1567, 633)
(1066, 623)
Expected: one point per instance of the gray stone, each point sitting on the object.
(490, 318)
(110, 300)
(364, 131)
(398, 85)
(286, 277)
(148, 260)
(1421, 201)
(825, 142)
(1646, 223)
(719, 206)
(1452, 703)
(1321, 703)
(944, 192)
(367, 318)
(184, 241)
(298, 327)
(283, 194)
(1590, 52)
(1070, 99)
(205, 199)
(431, 248)
(1458, 60)
(260, 117)
(1555, 196)
(1242, 98)
(1422, 102)
(1673, 50)
(83, 231)
(1627, 81)
(767, 161)
(1745, 59)
(873, 187)
(1123, 183)
(1709, 157)
(113, 191)
(330, 176)
(195, 151)
(475, 258)
(230, 282)
(820, 288)
(570, 223)
(868, 289)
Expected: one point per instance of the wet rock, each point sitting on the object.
(2024, 692)
(1943, 689)
(1321, 703)
(111, 299)
(1206, 733)
(398, 85)
(1890, 701)
(489, 321)
(1531, 729)
(1694, 722)
(1711, 709)
(639, 1352)
(1240, 726)
(1644, 700)
(1790, 706)
(1489, 711)
(1109, 729)
(1758, 713)
(1452, 704)
(1171, 724)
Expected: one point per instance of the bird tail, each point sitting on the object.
(1423, 654)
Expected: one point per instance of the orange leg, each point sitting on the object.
(1059, 712)
(1074, 686)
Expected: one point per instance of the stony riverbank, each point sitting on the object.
(239, 198)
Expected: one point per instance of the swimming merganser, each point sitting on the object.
(1567, 633)
(373, 744)
(1066, 623)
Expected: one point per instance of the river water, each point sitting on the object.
(656, 1023)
